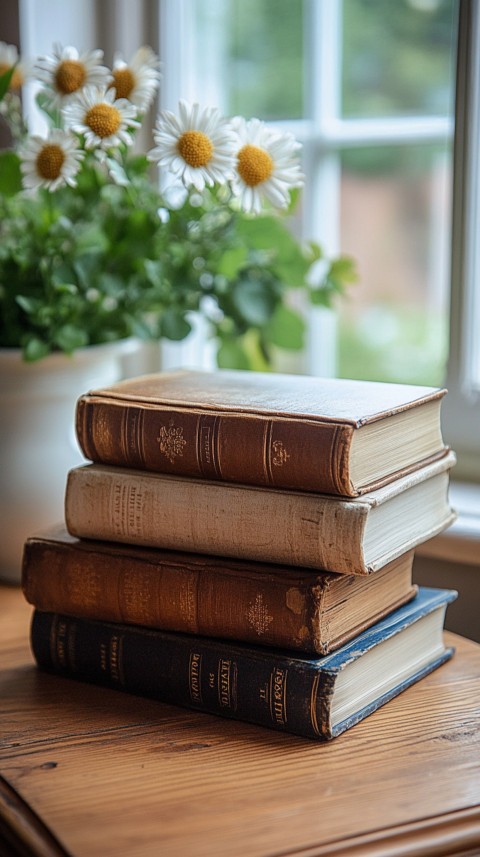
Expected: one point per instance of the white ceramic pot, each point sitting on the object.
(37, 438)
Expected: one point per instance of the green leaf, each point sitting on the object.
(45, 106)
(111, 284)
(315, 251)
(174, 325)
(34, 349)
(231, 355)
(255, 349)
(153, 271)
(138, 165)
(269, 233)
(253, 300)
(117, 173)
(62, 273)
(321, 297)
(65, 288)
(286, 329)
(5, 79)
(29, 305)
(232, 261)
(10, 174)
(343, 269)
(90, 242)
(69, 337)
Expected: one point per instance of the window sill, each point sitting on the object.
(461, 542)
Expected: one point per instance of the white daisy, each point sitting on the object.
(50, 162)
(8, 59)
(267, 165)
(66, 72)
(103, 120)
(198, 147)
(138, 79)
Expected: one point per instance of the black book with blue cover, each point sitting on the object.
(314, 697)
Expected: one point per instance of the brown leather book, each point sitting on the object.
(350, 536)
(270, 605)
(285, 431)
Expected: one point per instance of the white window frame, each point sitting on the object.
(462, 405)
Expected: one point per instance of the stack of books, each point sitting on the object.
(242, 544)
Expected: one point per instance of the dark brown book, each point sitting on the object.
(277, 606)
(311, 696)
(286, 431)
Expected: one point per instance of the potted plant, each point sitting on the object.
(100, 243)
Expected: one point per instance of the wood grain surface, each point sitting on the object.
(106, 773)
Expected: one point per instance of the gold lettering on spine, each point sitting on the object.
(115, 658)
(195, 677)
(278, 696)
(227, 683)
(205, 450)
(58, 640)
(127, 509)
(208, 446)
(71, 646)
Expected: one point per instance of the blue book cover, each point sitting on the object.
(315, 697)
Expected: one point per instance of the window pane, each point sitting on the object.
(395, 210)
(398, 57)
(258, 55)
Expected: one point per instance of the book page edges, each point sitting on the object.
(334, 643)
(348, 722)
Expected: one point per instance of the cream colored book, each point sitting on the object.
(349, 536)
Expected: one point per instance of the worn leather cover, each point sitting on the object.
(285, 431)
(270, 605)
(270, 687)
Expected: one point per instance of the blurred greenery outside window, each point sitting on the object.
(368, 87)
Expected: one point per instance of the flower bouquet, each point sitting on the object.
(99, 242)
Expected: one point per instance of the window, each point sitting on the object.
(368, 86)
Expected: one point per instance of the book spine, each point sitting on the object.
(269, 690)
(287, 453)
(301, 529)
(197, 599)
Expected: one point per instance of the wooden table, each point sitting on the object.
(94, 772)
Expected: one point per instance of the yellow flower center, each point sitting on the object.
(254, 165)
(103, 119)
(123, 81)
(17, 79)
(70, 76)
(50, 161)
(195, 148)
